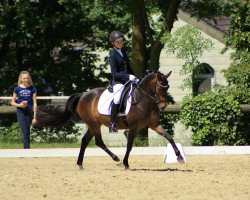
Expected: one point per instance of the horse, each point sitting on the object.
(144, 113)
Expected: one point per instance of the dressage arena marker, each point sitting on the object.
(170, 156)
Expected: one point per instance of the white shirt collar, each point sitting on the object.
(119, 51)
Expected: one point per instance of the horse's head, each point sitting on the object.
(162, 88)
(155, 85)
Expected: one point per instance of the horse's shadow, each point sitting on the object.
(160, 170)
(164, 170)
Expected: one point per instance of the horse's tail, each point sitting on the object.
(56, 117)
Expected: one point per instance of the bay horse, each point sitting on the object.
(145, 113)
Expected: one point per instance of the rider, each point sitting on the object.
(121, 72)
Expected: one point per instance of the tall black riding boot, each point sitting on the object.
(114, 112)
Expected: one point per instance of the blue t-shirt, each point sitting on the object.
(25, 94)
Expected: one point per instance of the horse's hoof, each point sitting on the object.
(181, 160)
(80, 167)
(116, 159)
(127, 168)
(119, 163)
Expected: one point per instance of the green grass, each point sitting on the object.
(44, 145)
(39, 145)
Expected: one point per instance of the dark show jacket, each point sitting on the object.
(120, 67)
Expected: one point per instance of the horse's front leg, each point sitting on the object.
(160, 130)
(131, 137)
(85, 141)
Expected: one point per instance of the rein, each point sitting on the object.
(156, 99)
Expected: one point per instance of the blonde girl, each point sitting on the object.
(25, 100)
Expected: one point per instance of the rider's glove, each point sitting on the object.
(137, 80)
(132, 77)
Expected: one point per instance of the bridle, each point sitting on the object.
(155, 98)
(163, 86)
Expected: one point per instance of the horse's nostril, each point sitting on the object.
(162, 106)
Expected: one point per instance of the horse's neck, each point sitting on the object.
(147, 84)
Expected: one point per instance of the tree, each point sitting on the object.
(44, 27)
(238, 77)
(146, 44)
(239, 30)
(33, 34)
(54, 40)
(41, 35)
(188, 44)
(238, 74)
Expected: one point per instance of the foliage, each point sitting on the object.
(237, 11)
(238, 74)
(239, 30)
(241, 94)
(214, 119)
(68, 133)
(188, 44)
(206, 9)
(55, 40)
(10, 133)
(19, 145)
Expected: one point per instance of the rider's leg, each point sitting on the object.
(114, 112)
(117, 88)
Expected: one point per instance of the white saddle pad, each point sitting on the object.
(105, 100)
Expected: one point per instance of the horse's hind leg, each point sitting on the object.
(85, 141)
(99, 142)
(159, 129)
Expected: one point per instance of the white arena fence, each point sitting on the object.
(41, 98)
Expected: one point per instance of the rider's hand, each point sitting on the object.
(34, 122)
(137, 80)
(132, 77)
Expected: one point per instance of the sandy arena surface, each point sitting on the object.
(202, 177)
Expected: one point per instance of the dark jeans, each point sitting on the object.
(24, 117)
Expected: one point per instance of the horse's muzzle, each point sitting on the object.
(162, 105)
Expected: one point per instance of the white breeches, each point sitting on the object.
(117, 88)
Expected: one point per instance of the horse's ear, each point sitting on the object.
(167, 75)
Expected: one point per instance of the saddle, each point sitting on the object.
(106, 100)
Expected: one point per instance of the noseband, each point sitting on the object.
(156, 98)
(163, 86)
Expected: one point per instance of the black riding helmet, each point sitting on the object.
(114, 35)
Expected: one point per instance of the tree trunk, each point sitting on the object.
(140, 27)
(139, 50)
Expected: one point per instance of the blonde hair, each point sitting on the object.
(20, 77)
